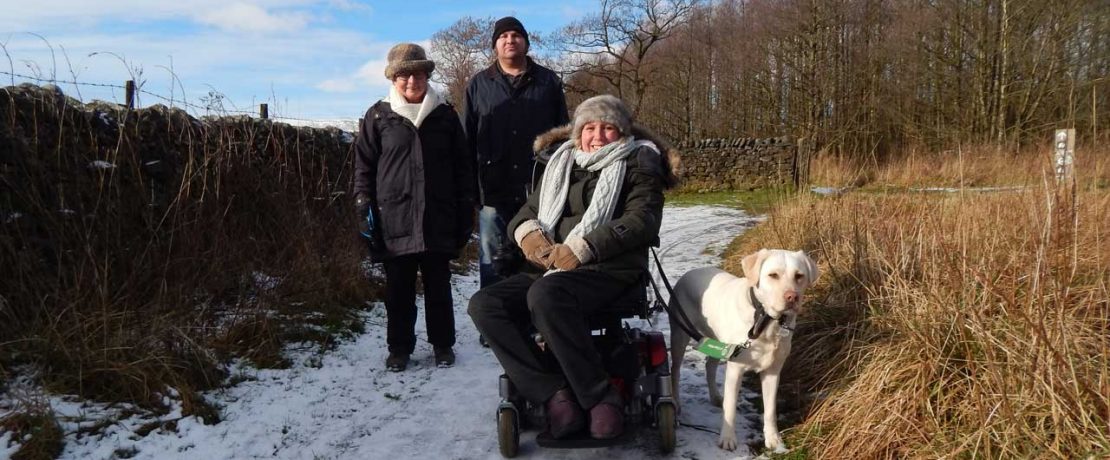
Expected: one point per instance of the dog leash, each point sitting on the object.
(708, 346)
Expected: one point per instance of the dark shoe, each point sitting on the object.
(396, 362)
(445, 357)
(564, 415)
(482, 341)
(607, 417)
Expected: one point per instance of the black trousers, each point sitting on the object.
(400, 301)
(558, 306)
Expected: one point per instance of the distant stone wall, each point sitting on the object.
(722, 164)
(62, 161)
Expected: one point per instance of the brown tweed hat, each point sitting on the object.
(407, 58)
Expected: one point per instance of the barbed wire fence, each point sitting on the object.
(215, 106)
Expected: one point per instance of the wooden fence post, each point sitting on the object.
(129, 86)
(803, 154)
(264, 111)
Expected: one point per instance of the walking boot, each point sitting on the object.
(396, 362)
(445, 356)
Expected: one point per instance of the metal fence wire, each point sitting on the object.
(131, 91)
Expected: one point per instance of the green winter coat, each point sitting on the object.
(620, 246)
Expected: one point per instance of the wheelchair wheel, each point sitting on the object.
(508, 436)
(665, 419)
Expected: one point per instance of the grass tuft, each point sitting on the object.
(953, 325)
(36, 430)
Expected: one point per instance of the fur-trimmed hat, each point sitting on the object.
(407, 58)
(506, 24)
(607, 108)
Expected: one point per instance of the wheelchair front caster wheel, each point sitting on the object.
(508, 433)
(666, 421)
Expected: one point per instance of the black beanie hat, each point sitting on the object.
(508, 23)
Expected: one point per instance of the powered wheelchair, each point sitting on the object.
(637, 363)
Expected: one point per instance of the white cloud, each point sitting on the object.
(246, 17)
(258, 15)
(284, 52)
(370, 75)
(372, 70)
(337, 85)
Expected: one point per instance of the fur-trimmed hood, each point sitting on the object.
(672, 158)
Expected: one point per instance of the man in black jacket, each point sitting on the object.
(507, 105)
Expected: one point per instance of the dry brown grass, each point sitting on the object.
(969, 166)
(956, 325)
(38, 432)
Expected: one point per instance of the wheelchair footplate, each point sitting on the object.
(581, 440)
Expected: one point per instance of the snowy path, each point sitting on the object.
(345, 405)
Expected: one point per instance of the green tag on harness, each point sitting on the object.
(716, 349)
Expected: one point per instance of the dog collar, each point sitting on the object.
(762, 318)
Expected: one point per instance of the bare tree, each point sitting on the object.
(614, 43)
(864, 77)
(459, 51)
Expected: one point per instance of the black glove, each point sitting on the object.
(507, 259)
(366, 227)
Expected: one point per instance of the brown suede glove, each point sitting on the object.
(563, 258)
(536, 247)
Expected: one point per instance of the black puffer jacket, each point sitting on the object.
(501, 123)
(421, 189)
(620, 246)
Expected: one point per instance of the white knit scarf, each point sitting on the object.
(611, 160)
(414, 112)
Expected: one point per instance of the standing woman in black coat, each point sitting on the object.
(415, 194)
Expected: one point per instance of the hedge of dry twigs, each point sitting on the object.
(141, 248)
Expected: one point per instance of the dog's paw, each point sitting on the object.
(773, 442)
(727, 441)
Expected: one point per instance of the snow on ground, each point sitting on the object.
(829, 191)
(1015, 188)
(349, 125)
(6, 450)
(344, 404)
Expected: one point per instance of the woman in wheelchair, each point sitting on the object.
(585, 233)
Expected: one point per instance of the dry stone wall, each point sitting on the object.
(56, 151)
(69, 169)
(721, 164)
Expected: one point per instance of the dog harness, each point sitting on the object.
(709, 346)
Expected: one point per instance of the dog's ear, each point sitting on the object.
(812, 273)
(751, 264)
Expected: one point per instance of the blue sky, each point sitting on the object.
(314, 59)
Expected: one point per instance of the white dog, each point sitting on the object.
(719, 306)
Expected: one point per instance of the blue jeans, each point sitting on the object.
(491, 236)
